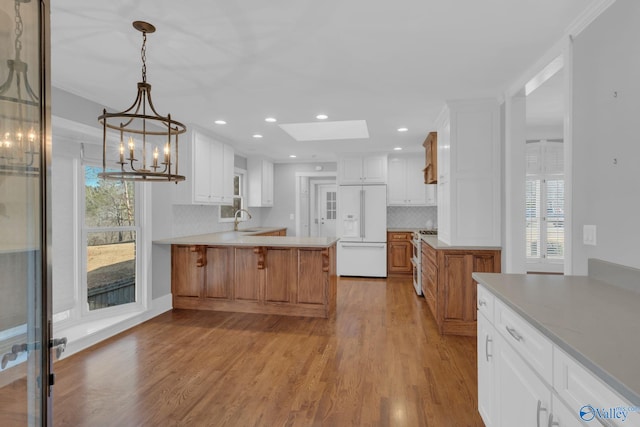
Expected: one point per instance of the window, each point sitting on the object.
(331, 205)
(544, 203)
(227, 212)
(110, 235)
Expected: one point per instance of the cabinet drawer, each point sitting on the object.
(534, 347)
(578, 387)
(485, 302)
(399, 236)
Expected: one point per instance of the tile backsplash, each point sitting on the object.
(411, 216)
(197, 219)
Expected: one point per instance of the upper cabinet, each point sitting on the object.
(405, 186)
(469, 173)
(362, 170)
(208, 167)
(431, 158)
(260, 174)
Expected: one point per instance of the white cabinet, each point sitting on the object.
(260, 175)
(523, 399)
(362, 170)
(406, 182)
(469, 173)
(208, 167)
(526, 380)
(486, 370)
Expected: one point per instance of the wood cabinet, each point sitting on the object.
(261, 178)
(208, 166)
(399, 252)
(429, 266)
(468, 158)
(448, 287)
(296, 281)
(362, 170)
(430, 171)
(405, 186)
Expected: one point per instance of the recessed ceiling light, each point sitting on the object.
(270, 119)
(293, 156)
(257, 135)
(322, 117)
(397, 148)
(402, 129)
(220, 122)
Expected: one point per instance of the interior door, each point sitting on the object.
(24, 317)
(327, 210)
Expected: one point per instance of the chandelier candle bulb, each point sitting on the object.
(155, 158)
(121, 152)
(132, 146)
(167, 154)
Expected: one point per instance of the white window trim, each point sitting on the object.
(244, 191)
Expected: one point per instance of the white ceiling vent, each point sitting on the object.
(323, 131)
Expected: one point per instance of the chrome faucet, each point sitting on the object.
(235, 218)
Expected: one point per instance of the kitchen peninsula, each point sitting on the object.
(254, 271)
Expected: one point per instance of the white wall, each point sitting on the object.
(284, 203)
(606, 107)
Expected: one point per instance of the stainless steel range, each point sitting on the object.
(416, 259)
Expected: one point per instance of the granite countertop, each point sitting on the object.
(593, 321)
(437, 244)
(249, 238)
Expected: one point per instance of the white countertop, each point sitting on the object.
(593, 321)
(437, 244)
(239, 238)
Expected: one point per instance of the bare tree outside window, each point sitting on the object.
(110, 233)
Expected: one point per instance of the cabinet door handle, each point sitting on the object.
(482, 302)
(540, 409)
(487, 340)
(551, 422)
(514, 334)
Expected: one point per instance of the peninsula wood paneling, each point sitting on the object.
(246, 284)
(219, 273)
(272, 280)
(280, 283)
(186, 278)
(311, 278)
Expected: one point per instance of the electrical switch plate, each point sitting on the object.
(589, 235)
(291, 217)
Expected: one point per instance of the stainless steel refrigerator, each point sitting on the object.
(362, 229)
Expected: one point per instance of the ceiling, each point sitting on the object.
(392, 64)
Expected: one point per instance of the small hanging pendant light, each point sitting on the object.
(144, 135)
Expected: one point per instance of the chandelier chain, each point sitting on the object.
(143, 54)
(19, 28)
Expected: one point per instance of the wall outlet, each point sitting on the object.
(589, 235)
(291, 217)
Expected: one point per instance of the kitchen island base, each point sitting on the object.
(292, 281)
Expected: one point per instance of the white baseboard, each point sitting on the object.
(80, 341)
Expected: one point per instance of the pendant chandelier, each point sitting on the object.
(148, 142)
(19, 113)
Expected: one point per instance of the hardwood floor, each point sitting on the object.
(379, 362)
